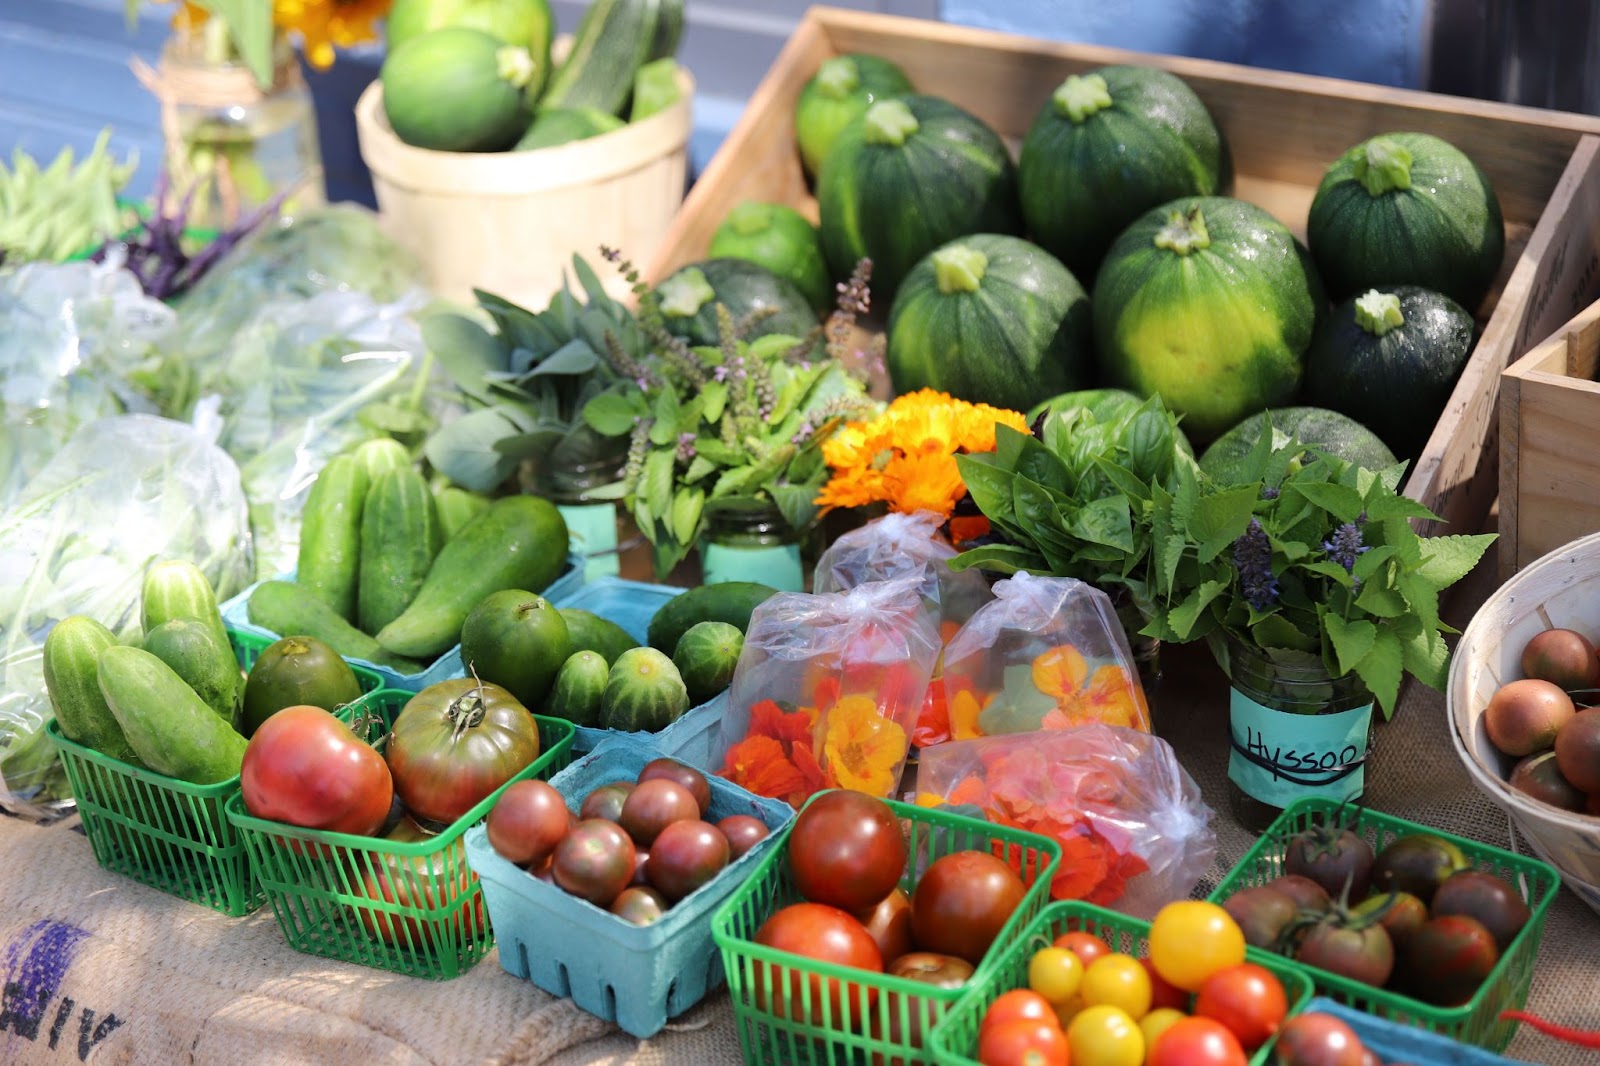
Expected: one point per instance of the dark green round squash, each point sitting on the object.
(1314, 427)
(990, 319)
(780, 239)
(1107, 147)
(841, 91)
(1390, 360)
(908, 176)
(1407, 209)
(1210, 302)
(689, 299)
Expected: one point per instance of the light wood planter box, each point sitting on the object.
(1283, 129)
(1550, 430)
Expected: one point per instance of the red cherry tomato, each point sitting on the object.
(655, 804)
(305, 767)
(1196, 1042)
(1018, 1005)
(685, 856)
(1247, 999)
(826, 934)
(1164, 993)
(846, 850)
(1086, 946)
(687, 776)
(595, 862)
(1023, 1043)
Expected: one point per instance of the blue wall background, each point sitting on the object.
(64, 63)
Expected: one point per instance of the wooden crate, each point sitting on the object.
(1550, 436)
(1283, 129)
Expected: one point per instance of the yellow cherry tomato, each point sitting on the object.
(1191, 940)
(1118, 981)
(1055, 974)
(1157, 1022)
(1105, 1036)
(1067, 1011)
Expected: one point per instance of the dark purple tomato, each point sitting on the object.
(641, 906)
(1487, 898)
(1337, 859)
(1263, 913)
(595, 862)
(685, 856)
(743, 832)
(1402, 913)
(606, 801)
(1364, 954)
(641, 861)
(687, 776)
(845, 850)
(654, 805)
(1306, 893)
(1448, 958)
(1317, 1039)
(527, 822)
(889, 924)
(1417, 864)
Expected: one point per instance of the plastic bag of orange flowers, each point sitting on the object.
(1045, 653)
(828, 689)
(1134, 832)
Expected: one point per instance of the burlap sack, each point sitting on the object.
(101, 970)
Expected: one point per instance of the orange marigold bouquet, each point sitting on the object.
(1133, 829)
(906, 456)
(828, 689)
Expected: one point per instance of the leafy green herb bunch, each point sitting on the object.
(732, 425)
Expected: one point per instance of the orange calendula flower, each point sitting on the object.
(905, 456)
(862, 747)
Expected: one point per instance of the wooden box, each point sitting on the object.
(1283, 129)
(1550, 433)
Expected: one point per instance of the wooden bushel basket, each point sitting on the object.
(510, 222)
(1560, 590)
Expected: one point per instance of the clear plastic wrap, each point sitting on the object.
(827, 691)
(78, 342)
(904, 545)
(295, 387)
(1045, 653)
(124, 492)
(1134, 832)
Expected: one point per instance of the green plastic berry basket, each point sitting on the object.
(162, 832)
(1506, 988)
(878, 1018)
(955, 1039)
(414, 908)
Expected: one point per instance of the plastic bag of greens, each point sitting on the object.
(78, 342)
(299, 383)
(827, 691)
(124, 492)
(1134, 831)
(334, 248)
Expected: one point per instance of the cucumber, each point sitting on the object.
(614, 39)
(669, 30)
(380, 455)
(400, 535)
(456, 508)
(191, 651)
(330, 535)
(286, 608)
(171, 728)
(176, 589)
(587, 631)
(728, 601)
(72, 653)
(520, 542)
